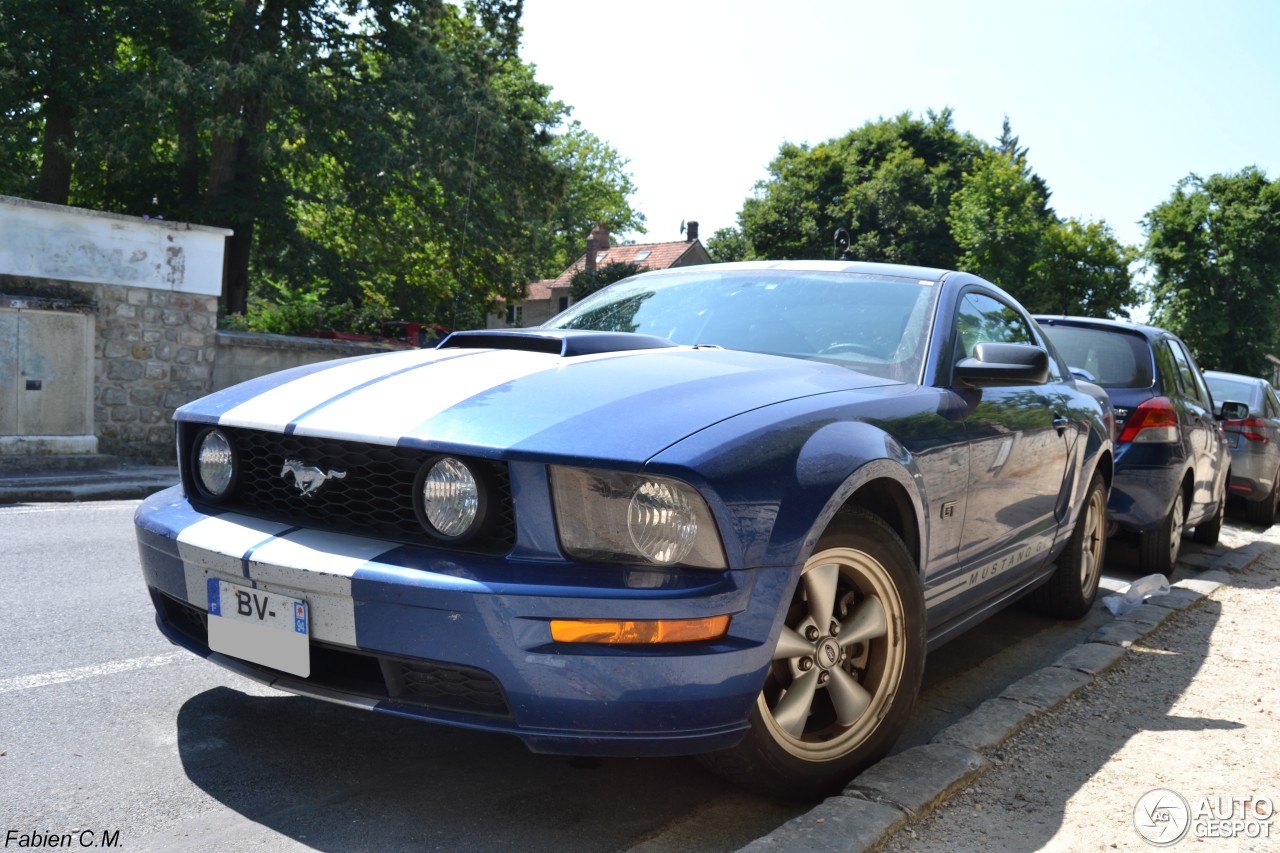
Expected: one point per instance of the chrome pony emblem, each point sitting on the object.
(307, 478)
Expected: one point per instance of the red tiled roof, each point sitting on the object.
(661, 256)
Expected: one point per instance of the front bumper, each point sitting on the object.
(465, 639)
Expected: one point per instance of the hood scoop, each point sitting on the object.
(562, 342)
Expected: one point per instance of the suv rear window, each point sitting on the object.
(1114, 359)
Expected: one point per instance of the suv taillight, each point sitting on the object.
(1250, 428)
(1154, 422)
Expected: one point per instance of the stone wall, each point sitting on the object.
(154, 352)
(246, 355)
(152, 289)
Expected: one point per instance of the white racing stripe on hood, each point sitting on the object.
(276, 408)
(385, 411)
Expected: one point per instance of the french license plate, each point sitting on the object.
(260, 627)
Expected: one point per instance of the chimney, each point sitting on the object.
(691, 234)
(596, 243)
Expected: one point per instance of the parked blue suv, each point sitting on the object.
(1172, 461)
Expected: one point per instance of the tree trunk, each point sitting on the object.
(234, 172)
(54, 184)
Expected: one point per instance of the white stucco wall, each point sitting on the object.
(69, 244)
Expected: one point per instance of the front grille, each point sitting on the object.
(442, 686)
(374, 498)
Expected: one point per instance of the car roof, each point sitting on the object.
(1101, 323)
(865, 267)
(1238, 377)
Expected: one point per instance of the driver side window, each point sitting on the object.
(983, 319)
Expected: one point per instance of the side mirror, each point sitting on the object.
(994, 364)
(1233, 411)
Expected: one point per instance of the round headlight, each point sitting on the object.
(662, 522)
(451, 498)
(215, 463)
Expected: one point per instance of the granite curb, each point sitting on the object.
(117, 482)
(907, 785)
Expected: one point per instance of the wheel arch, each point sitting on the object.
(883, 487)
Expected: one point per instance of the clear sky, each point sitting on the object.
(1116, 100)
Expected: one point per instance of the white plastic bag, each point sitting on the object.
(1139, 590)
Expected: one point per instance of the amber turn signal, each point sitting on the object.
(629, 631)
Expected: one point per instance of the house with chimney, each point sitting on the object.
(549, 297)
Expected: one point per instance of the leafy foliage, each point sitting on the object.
(393, 151)
(587, 281)
(889, 183)
(1214, 250)
(729, 244)
(917, 191)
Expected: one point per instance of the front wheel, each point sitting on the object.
(845, 671)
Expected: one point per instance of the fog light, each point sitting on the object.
(636, 631)
(451, 498)
(215, 463)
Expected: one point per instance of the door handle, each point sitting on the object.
(1060, 423)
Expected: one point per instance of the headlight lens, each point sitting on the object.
(634, 519)
(215, 463)
(452, 498)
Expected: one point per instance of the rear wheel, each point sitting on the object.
(845, 671)
(1158, 549)
(1263, 512)
(1070, 591)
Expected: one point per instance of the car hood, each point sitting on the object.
(614, 406)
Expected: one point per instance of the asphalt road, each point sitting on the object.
(106, 728)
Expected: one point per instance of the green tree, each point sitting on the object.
(1084, 269)
(1214, 254)
(888, 183)
(594, 188)
(396, 149)
(1009, 235)
(999, 221)
(729, 244)
(588, 280)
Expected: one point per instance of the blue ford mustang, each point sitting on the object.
(721, 510)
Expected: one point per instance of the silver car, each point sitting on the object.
(1254, 442)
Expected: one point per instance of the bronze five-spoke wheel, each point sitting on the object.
(845, 670)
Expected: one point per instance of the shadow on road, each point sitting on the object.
(335, 778)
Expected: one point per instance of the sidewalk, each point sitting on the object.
(1165, 726)
(87, 478)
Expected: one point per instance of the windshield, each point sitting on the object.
(874, 324)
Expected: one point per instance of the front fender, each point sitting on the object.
(775, 479)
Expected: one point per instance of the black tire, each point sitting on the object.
(1263, 512)
(1158, 549)
(1073, 586)
(838, 694)
(1207, 531)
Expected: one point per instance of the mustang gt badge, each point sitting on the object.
(308, 478)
